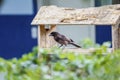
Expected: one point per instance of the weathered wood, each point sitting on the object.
(119, 36)
(44, 40)
(118, 25)
(50, 42)
(84, 51)
(81, 50)
(106, 15)
(42, 36)
(116, 35)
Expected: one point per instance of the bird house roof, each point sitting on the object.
(105, 15)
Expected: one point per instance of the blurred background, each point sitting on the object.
(17, 36)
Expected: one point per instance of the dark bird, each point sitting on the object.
(63, 40)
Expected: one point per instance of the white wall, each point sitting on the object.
(75, 32)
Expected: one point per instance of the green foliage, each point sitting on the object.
(54, 64)
(25, 68)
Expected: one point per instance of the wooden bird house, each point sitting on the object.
(53, 16)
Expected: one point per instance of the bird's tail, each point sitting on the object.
(75, 45)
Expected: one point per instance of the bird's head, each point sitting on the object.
(53, 33)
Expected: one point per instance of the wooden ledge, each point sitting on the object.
(81, 50)
(84, 51)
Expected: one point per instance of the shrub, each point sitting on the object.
(55, 64)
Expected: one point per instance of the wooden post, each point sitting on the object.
(116, 36)
(119, 36)
(44, 40)
(50, 42)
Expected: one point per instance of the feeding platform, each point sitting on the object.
(53, 16)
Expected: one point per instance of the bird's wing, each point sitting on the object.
(62, 37)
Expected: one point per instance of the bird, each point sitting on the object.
(63, 40)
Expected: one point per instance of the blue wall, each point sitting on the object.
(103, 32)
(15, 33)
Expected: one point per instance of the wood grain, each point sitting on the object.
(44, 40)
(105, 15)
(116, 35)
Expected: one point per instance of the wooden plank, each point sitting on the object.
(85, 51)
(50, 42)
(106, 15)
(119, 36)
(80, 50)
(116, 35)
(42, 36)
(44, 40)
(80, 23)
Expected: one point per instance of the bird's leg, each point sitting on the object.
(60, 45)
(63, 47)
